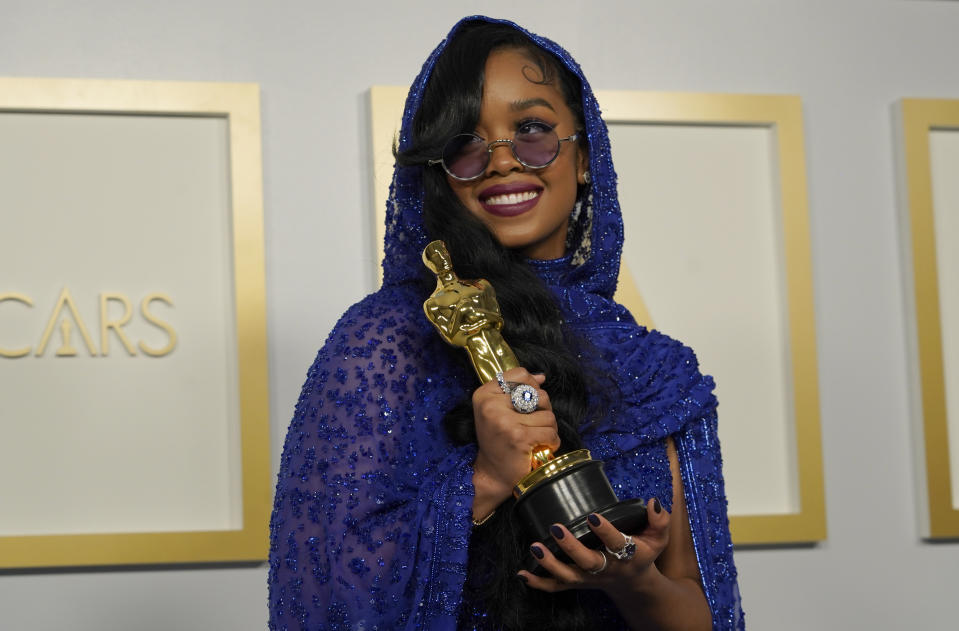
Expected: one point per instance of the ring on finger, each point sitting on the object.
(627, 551)
(601, 568)
(502, 383)
(524, 397)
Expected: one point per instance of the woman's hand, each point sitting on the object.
(658, 588)
(506, 438)
(594, 569)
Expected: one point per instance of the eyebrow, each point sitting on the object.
(525, 104)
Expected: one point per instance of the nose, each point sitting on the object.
(502, 160)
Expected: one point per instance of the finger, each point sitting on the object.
(649, 543)
(587, 560)
(608, 534)
(500, 406)
(658, 527)
(543, 402)
(540, 436)
(487, 390)
(539, 418)
(560, 571)
(647, 548)
(519, 375)
(543, 583)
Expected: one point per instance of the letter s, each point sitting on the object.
(152, 319)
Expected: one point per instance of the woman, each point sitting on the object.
(393, 505)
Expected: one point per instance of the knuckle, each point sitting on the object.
(517, 374)
(485, 406)
(479, 396)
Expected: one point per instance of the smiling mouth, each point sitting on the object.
(510, 203)
(510, 198)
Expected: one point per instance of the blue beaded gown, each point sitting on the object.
(372, 514)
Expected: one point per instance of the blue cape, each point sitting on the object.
(372, 514)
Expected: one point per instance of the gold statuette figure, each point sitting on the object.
(466, 314)
(564, 489)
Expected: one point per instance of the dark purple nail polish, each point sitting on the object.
(657, 506)
(537, 551)
(556, 531)
(522, 578)
(593, 519)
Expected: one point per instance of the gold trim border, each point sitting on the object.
(917, 117)
(239, 103)
(781, 113)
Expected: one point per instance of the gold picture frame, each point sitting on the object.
(238, 104)
(923, 243)
(782, 116)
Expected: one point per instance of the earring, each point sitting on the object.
(586, 178)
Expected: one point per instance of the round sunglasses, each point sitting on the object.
(466, 156)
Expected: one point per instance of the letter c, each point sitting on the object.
(16, 352)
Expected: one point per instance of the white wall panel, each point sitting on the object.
(849, 60)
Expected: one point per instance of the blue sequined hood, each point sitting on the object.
(406, 237)
(583, 284)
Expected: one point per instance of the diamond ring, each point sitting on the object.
(502, 383)
(627, 551)
(524, 397)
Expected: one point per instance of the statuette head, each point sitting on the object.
(437, 258)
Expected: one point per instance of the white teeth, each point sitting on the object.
(511, 198)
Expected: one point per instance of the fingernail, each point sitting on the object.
(523, 578)
(556, 531)
(657, 506)
(593, 519)
(537, 551)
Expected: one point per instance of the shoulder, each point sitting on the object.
(390, 318)
(382, 372)
(670, 388)
(640, 352)
(669, 356)
(657, 376)
(381, 347)
(667, 364)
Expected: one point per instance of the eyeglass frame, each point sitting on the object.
(489, 152)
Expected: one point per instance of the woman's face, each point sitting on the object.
(527, 209)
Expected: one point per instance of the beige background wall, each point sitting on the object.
(848, 59)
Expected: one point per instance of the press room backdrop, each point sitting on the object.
(849, 61)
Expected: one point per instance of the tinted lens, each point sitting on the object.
(465, 156)
(536, 148)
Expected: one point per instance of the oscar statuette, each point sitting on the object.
(561, 489)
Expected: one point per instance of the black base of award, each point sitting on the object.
(567, 498)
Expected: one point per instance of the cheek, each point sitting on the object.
(568, 185)
(463, 193)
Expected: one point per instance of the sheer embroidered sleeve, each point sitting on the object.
(372, 507)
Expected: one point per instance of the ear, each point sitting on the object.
(582, 164)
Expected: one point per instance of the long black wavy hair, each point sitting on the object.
(493, 596)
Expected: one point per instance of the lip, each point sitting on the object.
(509, 210)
